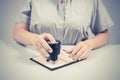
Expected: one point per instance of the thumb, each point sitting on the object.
(51, 38)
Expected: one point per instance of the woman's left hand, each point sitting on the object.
(81, 51)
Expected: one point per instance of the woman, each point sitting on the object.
(69, 21)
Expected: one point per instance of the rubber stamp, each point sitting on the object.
(56, 51)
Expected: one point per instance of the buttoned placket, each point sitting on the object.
(61, 18)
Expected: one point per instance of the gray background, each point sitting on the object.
(9, 10)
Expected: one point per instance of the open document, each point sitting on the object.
(63, 60)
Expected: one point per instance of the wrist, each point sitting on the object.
(90, 42)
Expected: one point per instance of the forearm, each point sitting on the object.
(99, 40)
(22, 35)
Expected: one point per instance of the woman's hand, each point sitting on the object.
(81, 51)
(40, 43)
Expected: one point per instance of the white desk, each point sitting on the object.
(103, 64)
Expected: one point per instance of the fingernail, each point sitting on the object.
(75, 59)
(50, 51)
(47, 56)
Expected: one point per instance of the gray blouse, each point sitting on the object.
(70, 21)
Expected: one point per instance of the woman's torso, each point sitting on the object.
(68, 22)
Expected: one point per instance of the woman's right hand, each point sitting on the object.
(40, 43)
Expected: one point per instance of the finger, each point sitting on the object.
(43, 52)
(45, 45)
(84, 55)
(75, 57)
(76, 49)
(37, 43)
(49, 37)
(39, 50)
(42, 43)
(80, 52)
(38, 46)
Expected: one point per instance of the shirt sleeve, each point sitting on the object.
(25, 13)
(100, 18)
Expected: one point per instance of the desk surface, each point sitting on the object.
(103, 64)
